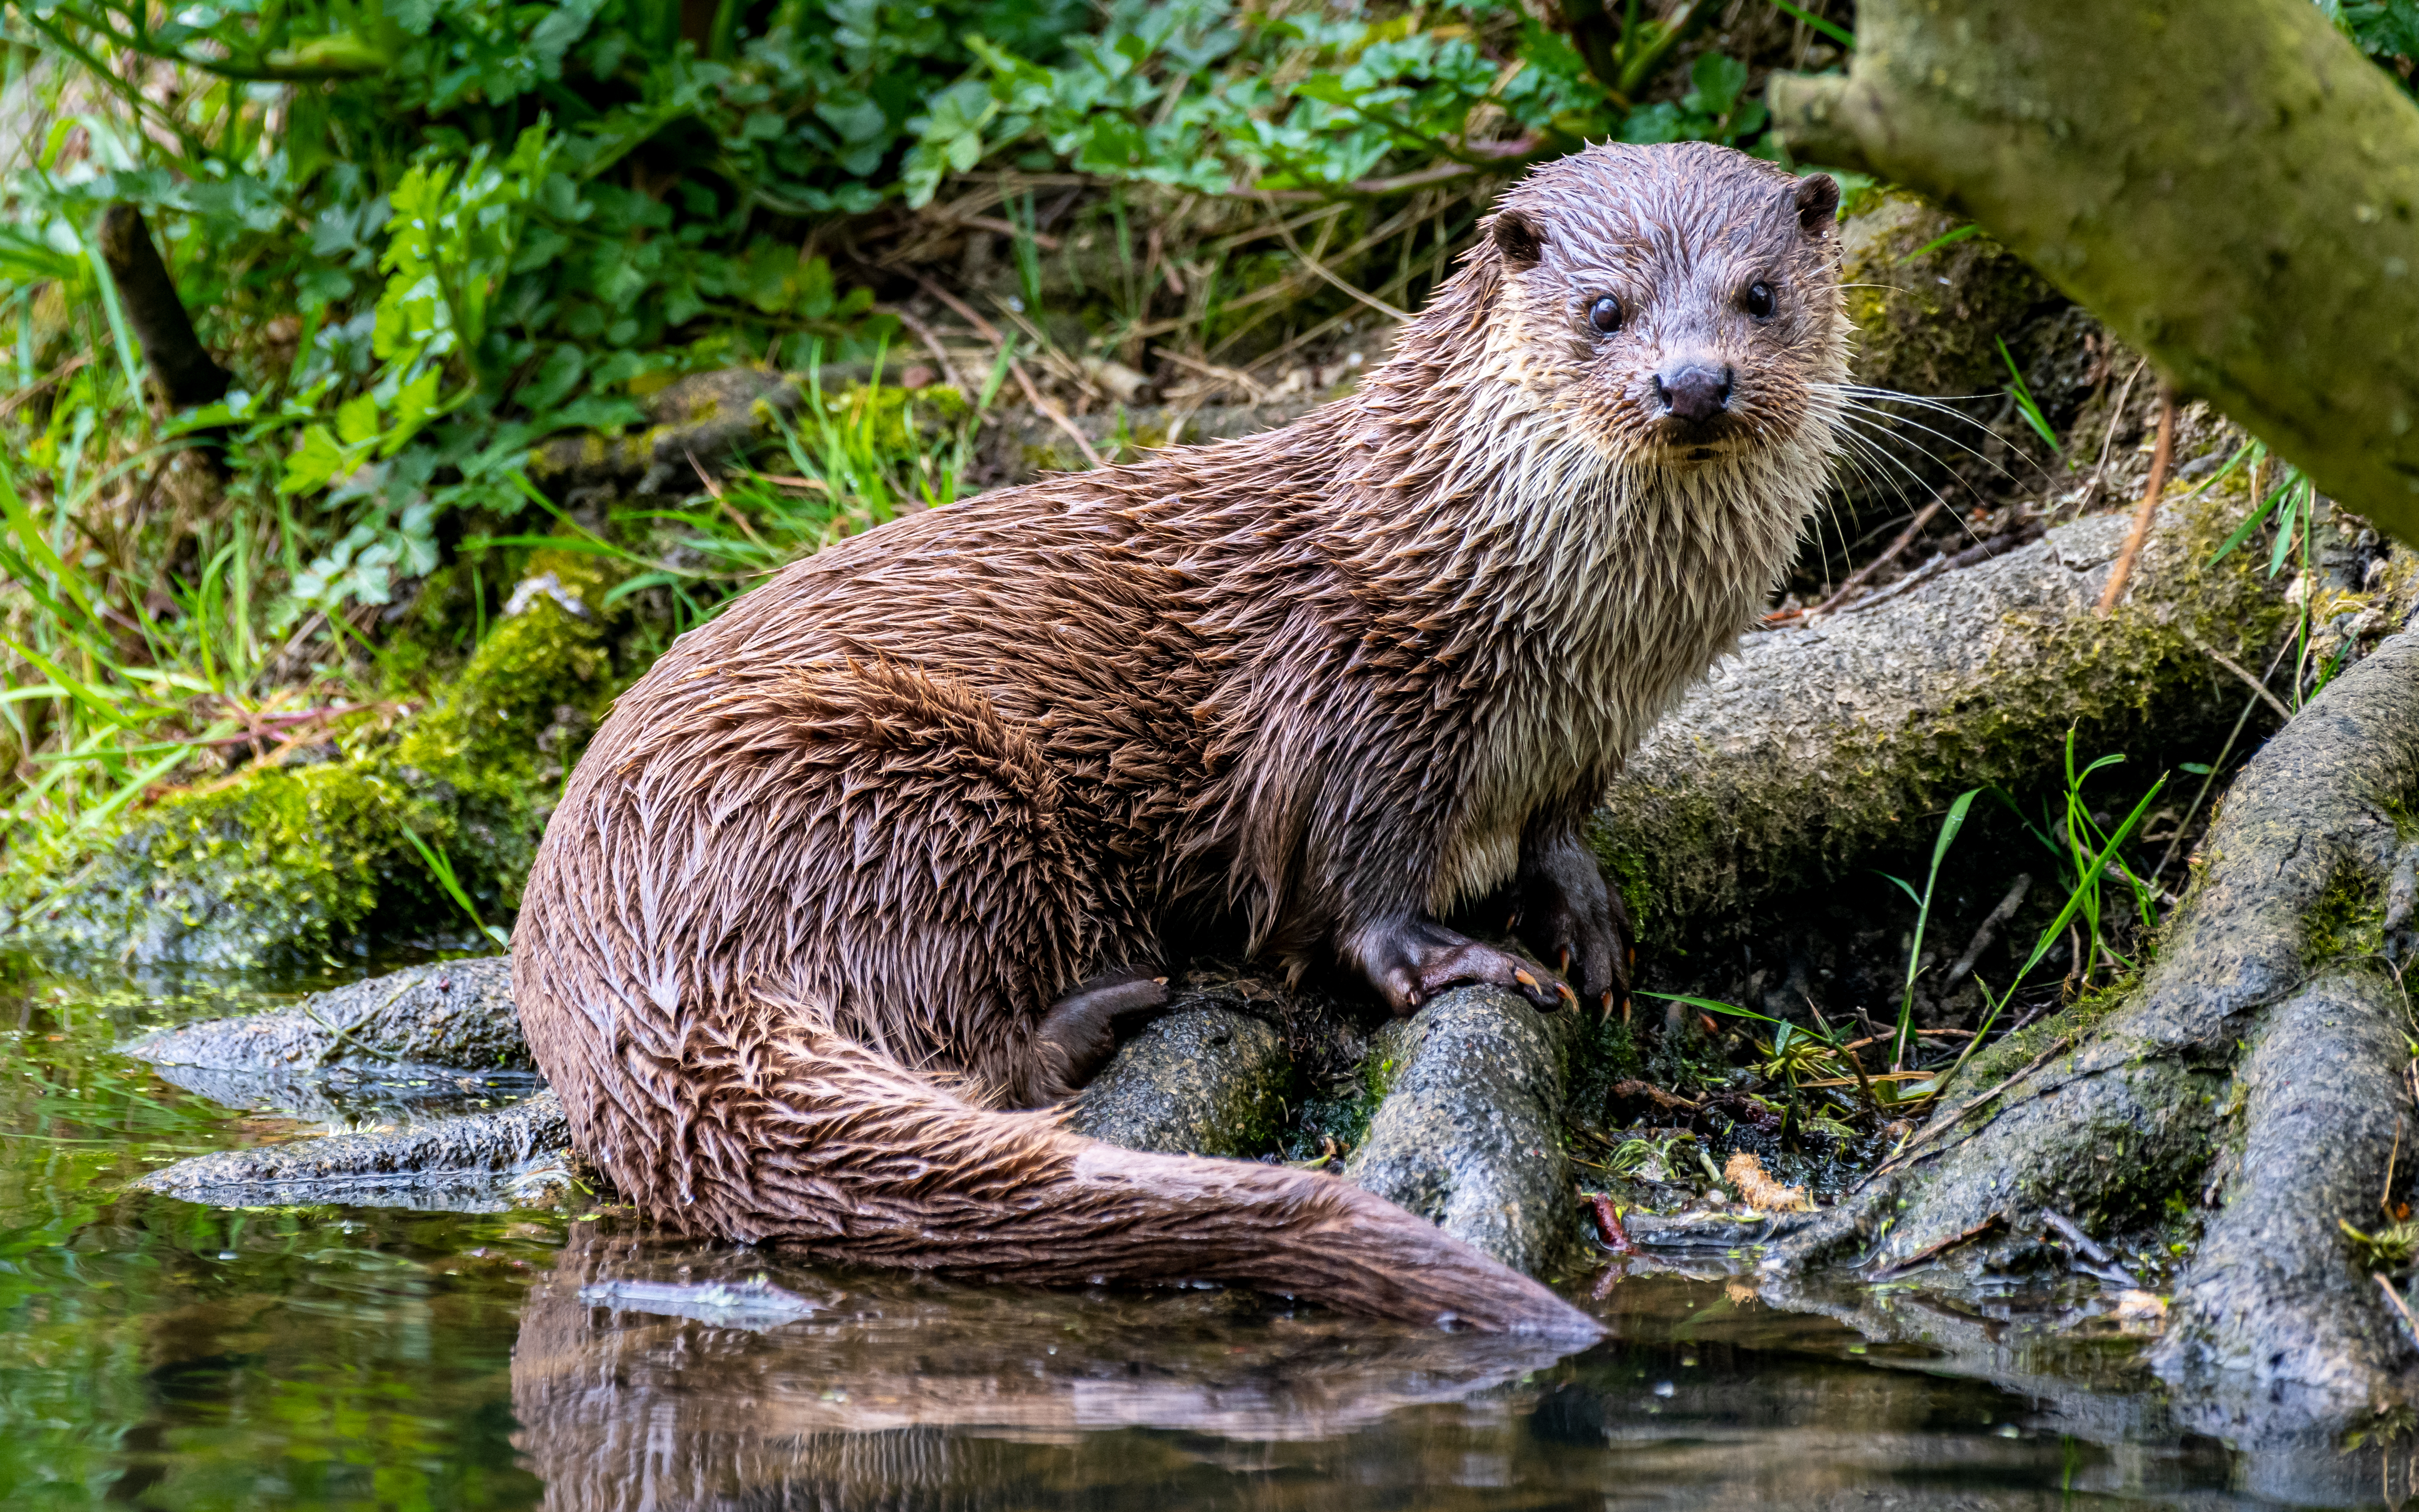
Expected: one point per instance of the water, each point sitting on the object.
(158, 1354)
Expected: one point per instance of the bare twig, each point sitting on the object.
(2210, 777)
(1989, 928)
(2090, 493)
(2256, 685)
(2385, 1198)
(2160, 454)
(994, 225)
(2394, 1299)
(43, 382)
(1234, 378)
(1931, 1252)
(1502, 156)
(1863, 574)
(1949, 1119)
(1015, 369)
(1389, 311)
(2091, 1249)
(932, 341)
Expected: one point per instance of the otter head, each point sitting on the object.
(1677, 304)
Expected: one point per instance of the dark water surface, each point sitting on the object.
(158, 1354)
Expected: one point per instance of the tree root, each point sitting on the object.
(1813, 746)
(1469, 1133)
(2255, 1071)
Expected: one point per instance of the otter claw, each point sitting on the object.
(1567, 996)
(1524, 978)
(1564, 965)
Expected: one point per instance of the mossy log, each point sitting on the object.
(2232, 186)
(1810, 748)
(2252, 1080)
(456, 1013)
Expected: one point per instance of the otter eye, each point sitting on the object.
(1604, 314)
(1758, 300)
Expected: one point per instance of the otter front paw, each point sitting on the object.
(1411, 960)
(1081, 1031)
(1570, 917)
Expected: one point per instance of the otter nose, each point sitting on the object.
(1694, 390)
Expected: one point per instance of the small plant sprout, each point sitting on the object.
(1949, 824)
(2022, 393)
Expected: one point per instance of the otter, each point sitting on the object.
(863, 876)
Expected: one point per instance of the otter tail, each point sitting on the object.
(769, 1126)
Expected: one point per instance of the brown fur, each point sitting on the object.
(795, 934)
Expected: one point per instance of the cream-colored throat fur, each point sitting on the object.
(1618, 585)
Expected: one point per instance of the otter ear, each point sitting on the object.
(1518, 237)
(1818, 203)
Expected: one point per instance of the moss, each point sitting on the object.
(1603, 1052)
(1928, 321)
(289, 862)
(2348, 920)
(2074, 1023)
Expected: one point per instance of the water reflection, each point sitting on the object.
(895, 1394)
(893, 1387)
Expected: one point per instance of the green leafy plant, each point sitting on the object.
(440, 867)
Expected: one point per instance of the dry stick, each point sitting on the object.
(2394, 1298)
(2108, 438)
(1389, 311)
(2160, 456)
(1890, 553)
(1949, 1120)
(2218, 766)
(2091, 1249)
(999, 227)
(2385, 1198)
(932, 341)
(1934, 1250)
(1505, 155)
(43, 382)
(2256, 685)
(1015, 369)
(1232, 377)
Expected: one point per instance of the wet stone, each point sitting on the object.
(1201, 1081)
(456, 1014)
(1468, 1135)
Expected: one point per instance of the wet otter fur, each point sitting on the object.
(880, 856)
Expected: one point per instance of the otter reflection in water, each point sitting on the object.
(889, 1391)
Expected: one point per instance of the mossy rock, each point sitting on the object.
(289, 862)
(1929, 314)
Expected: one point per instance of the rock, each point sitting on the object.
(476, 1161)
(456, 1014)
(1204, 1081)
(1469, 1133)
